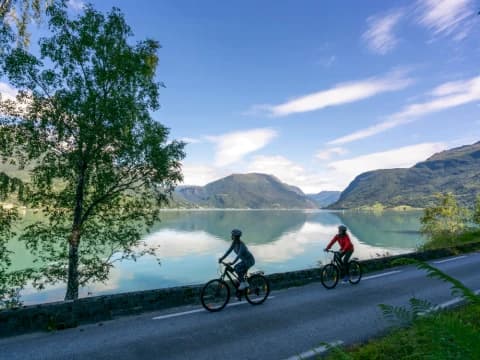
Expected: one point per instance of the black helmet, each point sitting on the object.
(342, 229)
(236, 233)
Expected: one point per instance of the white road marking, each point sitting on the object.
(161, 317)
(454, 301)
(447, 304)
(315, 352)
(451, 259)
(177, 314)
(380, 275)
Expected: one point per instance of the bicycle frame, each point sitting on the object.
(230, 273)
(336, 260)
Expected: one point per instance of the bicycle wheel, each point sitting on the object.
(215, 295)
(354, 272)
(329, 276)
(258, 290)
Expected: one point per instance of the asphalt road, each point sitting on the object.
(292, 322)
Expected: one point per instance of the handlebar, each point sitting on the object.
(226, 264)
(332, 251)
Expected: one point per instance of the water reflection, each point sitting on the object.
(190, 243)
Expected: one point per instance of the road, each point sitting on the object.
(292, 322)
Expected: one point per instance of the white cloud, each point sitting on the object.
(232, 147)
(380, 36)
(342, 93)
(190, 140)
(346, 170)
(446, 17)
(335, 176)
(291, 173)
(76, 5)
(328, 153)
(199, 174)
(445, 96)
(7, 92)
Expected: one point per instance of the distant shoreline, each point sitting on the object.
(289, 209)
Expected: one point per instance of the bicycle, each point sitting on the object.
(216, 293)
(331, 272)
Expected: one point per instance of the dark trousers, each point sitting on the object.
(242, 267)
(345, 258)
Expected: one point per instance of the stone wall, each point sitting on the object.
(67, 314)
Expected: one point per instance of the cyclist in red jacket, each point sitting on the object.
(346, 248)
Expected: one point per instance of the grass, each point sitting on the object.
(447, 335)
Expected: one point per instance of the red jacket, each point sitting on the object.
(344, 242)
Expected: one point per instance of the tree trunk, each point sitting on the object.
(74, 241)
(72, 282)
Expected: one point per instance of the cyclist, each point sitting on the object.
(246, 258)
(346, 248)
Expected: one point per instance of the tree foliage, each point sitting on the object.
(101, 165)
(445, 220)
(476, 211)
(20, 13)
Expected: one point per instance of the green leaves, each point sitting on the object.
(406, 316)
(476, 211)
(445, 220)
(100, 164)
(20, 13)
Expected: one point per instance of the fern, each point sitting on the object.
(420, 306)
(458, 288)
(401, 315)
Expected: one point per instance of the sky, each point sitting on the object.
(313, 92)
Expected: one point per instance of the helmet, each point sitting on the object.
(236, 233)
(342, 229)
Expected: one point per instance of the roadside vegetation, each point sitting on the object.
(100, 166)
(423, 332)
(420, 331)
(447, 224)
(447, 335)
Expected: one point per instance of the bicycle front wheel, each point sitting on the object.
(354, 272)
(215, 295)
(329, 276)
(258, 290)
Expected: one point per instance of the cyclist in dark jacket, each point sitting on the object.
(346, 247)
(246, 258)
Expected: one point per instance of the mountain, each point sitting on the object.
(456, 170)
(251, 191)
(324, 198)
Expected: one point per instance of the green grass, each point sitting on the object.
(446, 335)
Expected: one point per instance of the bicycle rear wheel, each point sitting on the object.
(354, 272)
(215, 295)
(258, 290)
(329, 276)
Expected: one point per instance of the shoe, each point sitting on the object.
(243, 285)
(345, 280)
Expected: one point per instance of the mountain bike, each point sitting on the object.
(330, 273)
(216, 293)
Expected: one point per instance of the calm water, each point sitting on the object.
(192, 241)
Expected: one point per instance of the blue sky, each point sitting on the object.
(313, 92)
